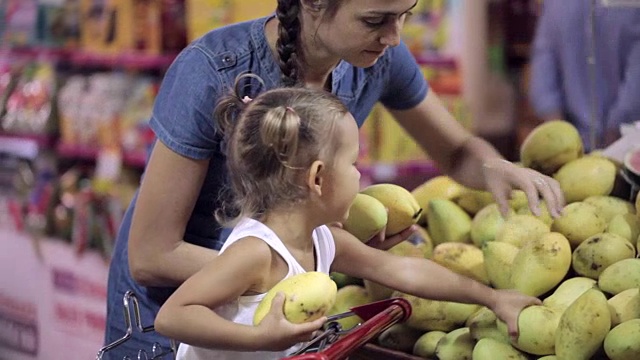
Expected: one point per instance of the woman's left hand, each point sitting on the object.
(502, 177)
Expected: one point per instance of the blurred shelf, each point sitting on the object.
(83, 152)
(125, 60)
(131, 60)
(387, 171)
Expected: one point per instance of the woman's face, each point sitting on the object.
(360, 31)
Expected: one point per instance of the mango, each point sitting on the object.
(620, 276)
(438, 187)
(425, 346)
(461, 258)
(309, 296)
(486, 223)
(624, 306)
(568, 291)
(623, 341)
(447, 222)
(600, 251)
(483, 324)
(586, 176)
(541, 264)
(537, 326)
(473, 200)
(367, 217)
(491, 349)
(625, 225)
(498, 260)
(429, 315)
(519, 230)
(403, 209)
(545, 215)
(610, 206)
(579, 221)
(551, 145)
(456, 345)
(583, 327)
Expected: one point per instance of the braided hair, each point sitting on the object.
(290, 55)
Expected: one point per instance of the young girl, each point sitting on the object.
(291, 162)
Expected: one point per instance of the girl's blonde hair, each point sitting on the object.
(270, 142)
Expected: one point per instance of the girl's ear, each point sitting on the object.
(315, 178)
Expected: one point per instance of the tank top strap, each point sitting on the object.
(250, 227)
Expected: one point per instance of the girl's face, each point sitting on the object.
(343, 182)
(361, 30)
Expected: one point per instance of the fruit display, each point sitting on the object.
(583, 264)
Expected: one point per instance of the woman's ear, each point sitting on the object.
(315, 177)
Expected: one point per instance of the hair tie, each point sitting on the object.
(289, 108)
(246, 99)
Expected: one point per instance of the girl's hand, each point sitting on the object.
(278, 334)
(502, 176)
(381, 242)
(508, 305)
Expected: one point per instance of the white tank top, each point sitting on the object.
(242, 309)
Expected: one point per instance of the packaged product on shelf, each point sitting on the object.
(138, 26)
(58, 23)
(99, 26)
(135, 133)
(29, 106)
(205, 15)
(18, 22)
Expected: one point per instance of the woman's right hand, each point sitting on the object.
(277, 333)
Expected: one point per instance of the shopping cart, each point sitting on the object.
(334, 343)
(131, 317)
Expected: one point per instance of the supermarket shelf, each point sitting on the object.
(131, 60)
(73, 151)
(126, 60)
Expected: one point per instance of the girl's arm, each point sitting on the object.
(158, 255)
(424, 278)
(188, 316)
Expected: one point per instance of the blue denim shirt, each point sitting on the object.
(561, 75)
(183, 120)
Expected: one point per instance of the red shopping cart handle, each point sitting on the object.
(379, 316)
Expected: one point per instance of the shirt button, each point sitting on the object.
(226, 59)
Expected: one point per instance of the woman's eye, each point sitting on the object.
(374, 21)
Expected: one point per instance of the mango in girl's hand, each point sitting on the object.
(403, 209)
(367, 217)
(309, 296)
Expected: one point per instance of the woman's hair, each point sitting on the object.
(270, 142)
(289, 30)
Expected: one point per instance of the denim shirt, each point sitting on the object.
(562, 80)
(182, 119)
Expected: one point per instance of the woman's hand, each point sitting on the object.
(278, 334)
(508, 305)
(502, 176)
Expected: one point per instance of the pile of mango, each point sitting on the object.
(583, 265)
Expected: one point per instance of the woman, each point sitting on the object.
(351, 48)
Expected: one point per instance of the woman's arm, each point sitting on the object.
(158, 255)
(471, 160)
(189, 317)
